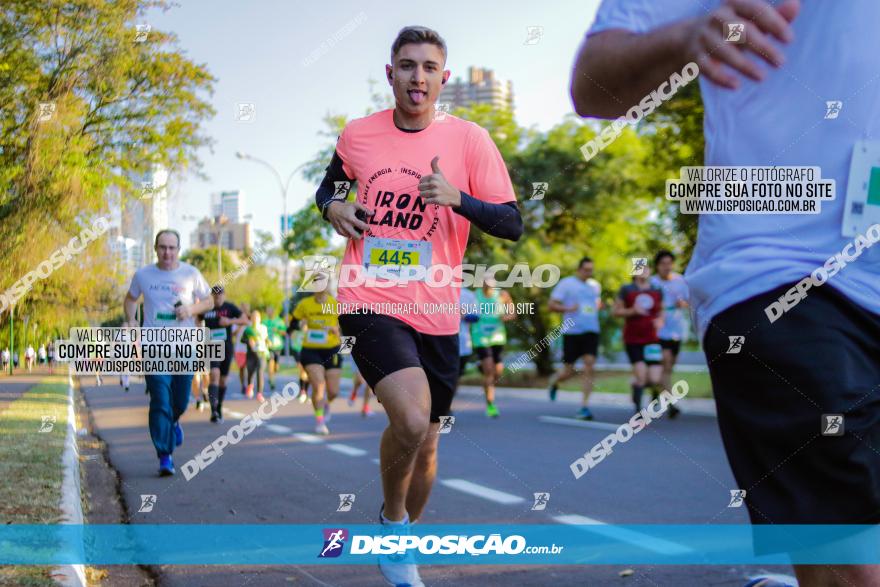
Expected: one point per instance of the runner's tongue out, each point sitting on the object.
(417, 96)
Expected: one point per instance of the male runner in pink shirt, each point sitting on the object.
(422, 182)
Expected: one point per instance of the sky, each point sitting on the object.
(256, 50)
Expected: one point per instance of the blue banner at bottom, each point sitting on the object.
(454, 544)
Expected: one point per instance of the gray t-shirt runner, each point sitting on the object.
(585, 295)
(675, 323)
(162, 289)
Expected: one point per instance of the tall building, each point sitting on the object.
(126, 253)
(136, 219)
(481, 87)
(144, 218)
(228, 203)
(232, 236)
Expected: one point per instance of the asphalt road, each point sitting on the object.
(672, 472)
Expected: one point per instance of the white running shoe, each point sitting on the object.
(321, 428)
(399, 569)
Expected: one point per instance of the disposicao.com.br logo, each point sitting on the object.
(432, 544)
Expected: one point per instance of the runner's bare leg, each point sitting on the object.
(423, 474)
(406, 397)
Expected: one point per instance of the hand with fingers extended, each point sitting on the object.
(706, 41)
(348, 218)
(434, 189)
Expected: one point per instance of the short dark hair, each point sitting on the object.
(417, 35)
(167, 231)
(661, 255)
(584, 260)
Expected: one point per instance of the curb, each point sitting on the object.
(71, 506)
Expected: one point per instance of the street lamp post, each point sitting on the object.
(286, 224)
(11, 337)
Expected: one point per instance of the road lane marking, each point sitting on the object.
(347, 450)
(309, 438)
(637, 538)
(234, 414)
(482, 491)
(578, 423)
(278, 429)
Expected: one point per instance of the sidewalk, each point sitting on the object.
(13, 387)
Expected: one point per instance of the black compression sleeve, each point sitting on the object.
(327, 189)
(499, 220)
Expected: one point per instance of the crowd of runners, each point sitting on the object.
(411, 362)
(417, 198)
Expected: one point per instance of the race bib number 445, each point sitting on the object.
(392, 255)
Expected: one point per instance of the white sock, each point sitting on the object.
(402, 522)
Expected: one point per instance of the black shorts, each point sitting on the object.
(495, 351)
(385, 345)
(636, 354)
(463, 360)
(819, 358)
(327, 358)
(672, 345)
(575, 346)
(226, 362)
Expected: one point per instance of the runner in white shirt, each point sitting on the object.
(174, 294)
(29, 356)
(578, 298)
(674, 329)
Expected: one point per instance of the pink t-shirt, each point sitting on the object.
(387, 164)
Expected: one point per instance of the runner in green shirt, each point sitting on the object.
(494, 307)
(277, 332)
(256, 336)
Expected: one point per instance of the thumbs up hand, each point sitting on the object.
(434, 188)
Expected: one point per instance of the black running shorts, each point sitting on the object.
(495, 351)
(384, 345)
(575, 346)
(670, 344)
(775, 399)
(636, 353)
(327, 358)
(227, 360)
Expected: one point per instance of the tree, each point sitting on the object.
(87, 107)
(205, 260)
(676, 137)
(260, 288)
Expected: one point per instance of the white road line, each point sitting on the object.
(309, 438)
(347, 450)
(642, 540)
(234, 414)
(578, 423)
(482, 491)
(278, 429)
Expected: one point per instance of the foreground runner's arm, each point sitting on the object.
(616, 68)
(498, 220)
(344, 216)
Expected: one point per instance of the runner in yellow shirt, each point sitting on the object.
(318, 316)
